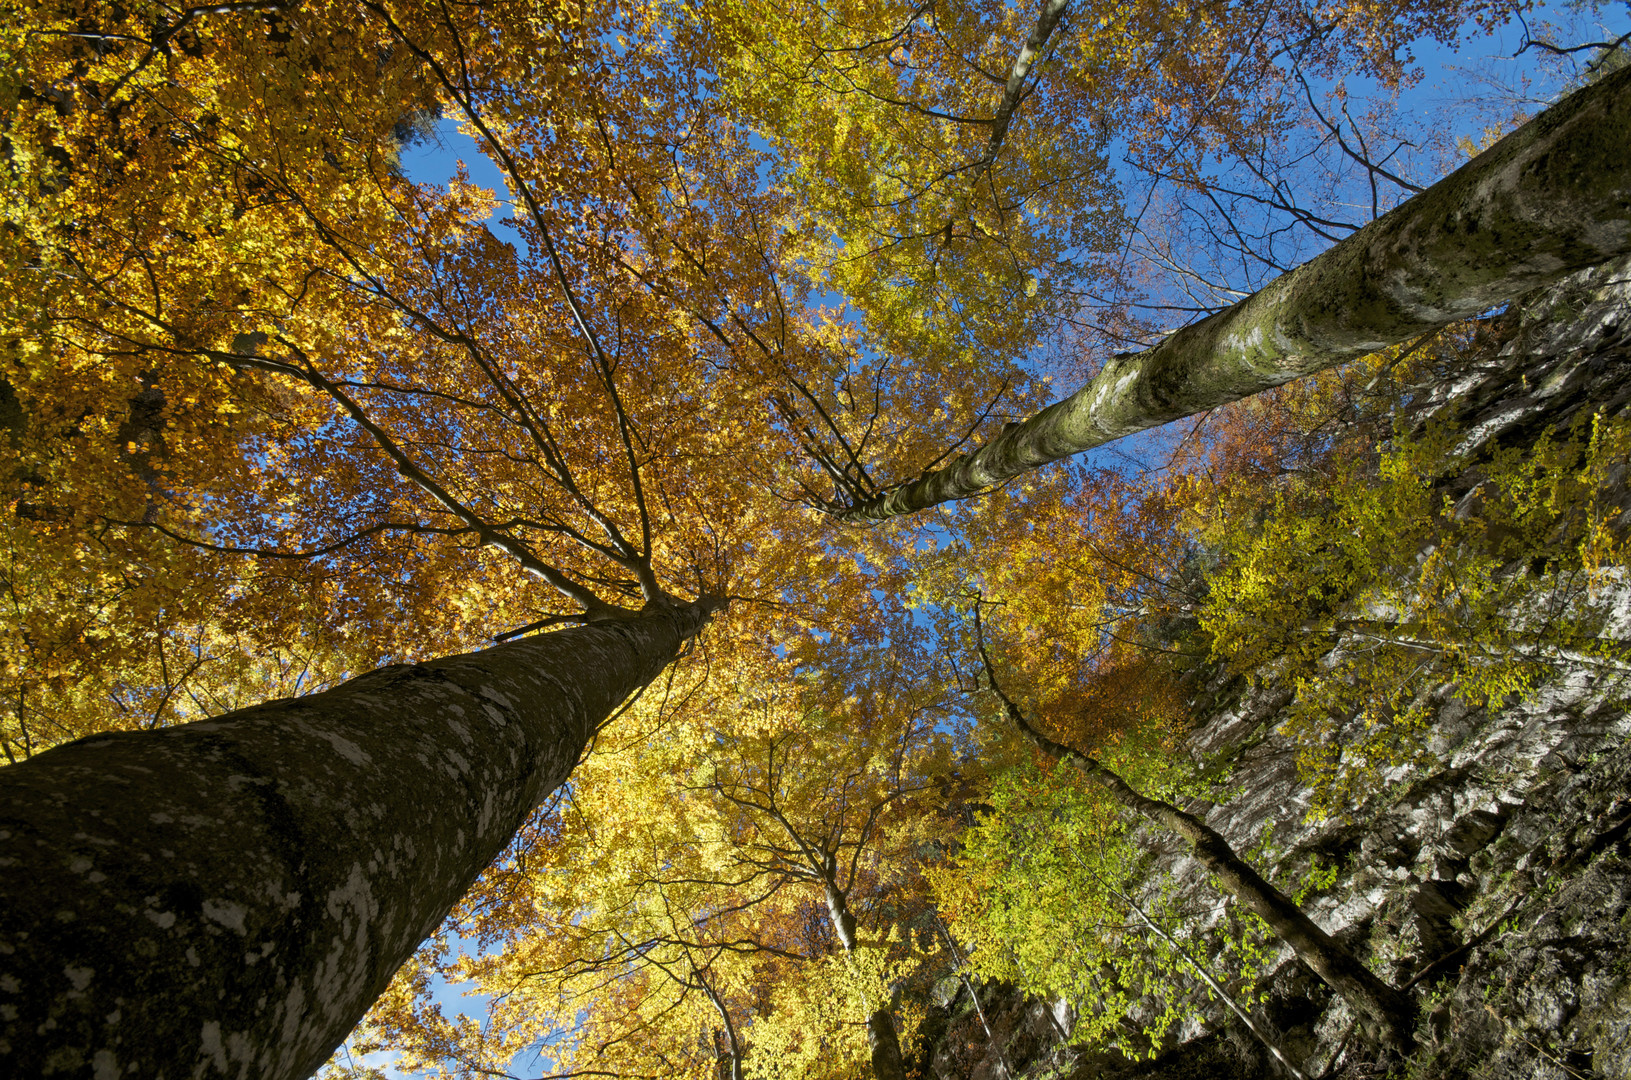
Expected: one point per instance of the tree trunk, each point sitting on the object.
(1550, 198)
(1389, 1013)
(887, 1063)
(226, 898)
(881, 1038)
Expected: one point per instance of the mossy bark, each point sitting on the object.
(226, 898)
(1551, 198)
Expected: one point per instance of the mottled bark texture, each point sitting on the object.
(1551, 198)
(226, 898)
(884, 1043)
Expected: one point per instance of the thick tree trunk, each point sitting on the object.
(881, 1039)
(226, 898)
(1550, 198)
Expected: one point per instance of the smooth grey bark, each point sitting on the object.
(1015, 91)
(1551, 198)
(226, 898)
(882, 1040)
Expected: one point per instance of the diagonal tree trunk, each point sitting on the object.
(226, 898)
(1388, 1013)
(1550, 198)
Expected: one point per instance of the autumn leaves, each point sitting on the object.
(276, 414)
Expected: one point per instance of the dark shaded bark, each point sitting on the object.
(1551, 198)
(885, 1046)
(733, 1046)
(1389, 1014)
(226, 898)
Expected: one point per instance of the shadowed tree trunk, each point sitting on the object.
(1388, 1014)
(1551, 198)
(881, 1037)
(226, 898)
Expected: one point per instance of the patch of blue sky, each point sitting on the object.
(458, 1005)
(434, 160)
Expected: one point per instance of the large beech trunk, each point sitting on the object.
(226, 898)
(1550, 198)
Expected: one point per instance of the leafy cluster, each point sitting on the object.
(273, 413)
(1371, 590)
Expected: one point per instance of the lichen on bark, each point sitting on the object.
(226, 898)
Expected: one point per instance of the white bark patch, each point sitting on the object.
(104, 1066)
(227, 913)
(161, 919)
(494, 695)
(355, 896)
(346, 748)
(209, 1041)
(79, 977)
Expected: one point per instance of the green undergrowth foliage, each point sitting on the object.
(1048, 893)
(1368, 588)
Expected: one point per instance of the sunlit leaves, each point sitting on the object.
(1371, 590)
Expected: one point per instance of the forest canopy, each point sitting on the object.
(281, 410)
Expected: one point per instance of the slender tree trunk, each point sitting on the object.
(731, 1043)
(1389, 1013)
(1015, 92)
(226, 898)
(1550, 198)
(887, 1063)
(1216, 987)
(881, 1037)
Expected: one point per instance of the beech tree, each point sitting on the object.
(1388, 1012)
(597, 430)
(1550, 198)
(435, 451)
(229, 896)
